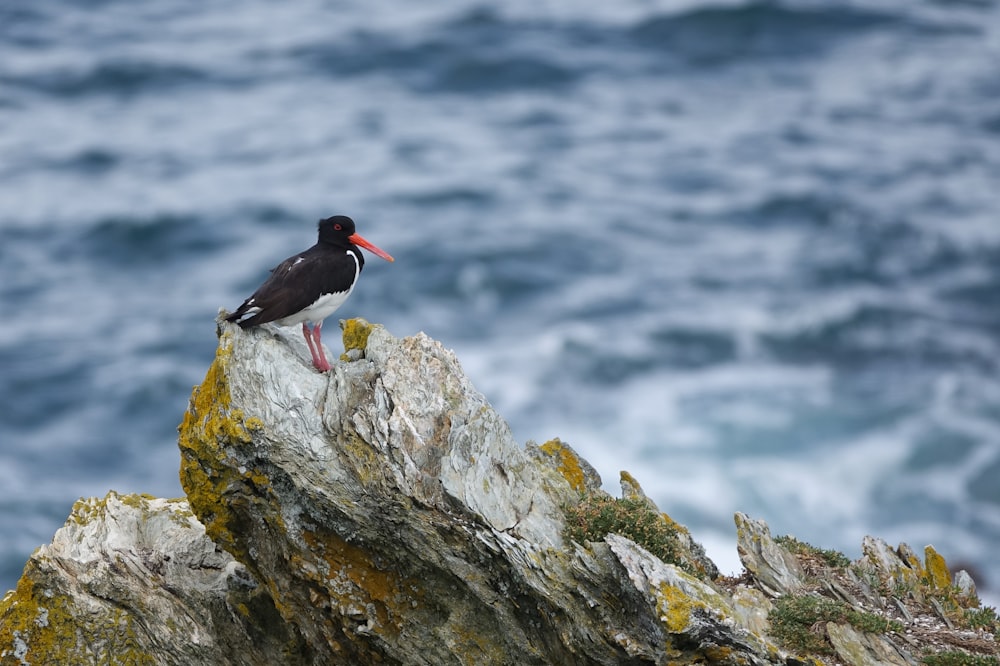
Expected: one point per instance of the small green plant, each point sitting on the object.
(832, 558)
(956, 658)
(598, 514)
(794, 622)
(982, 618)
(900, 589)
(964, 610)
(870, 622)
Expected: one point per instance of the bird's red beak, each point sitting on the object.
(361, 242)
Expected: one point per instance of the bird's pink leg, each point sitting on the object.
(317, 358)
(323, 365)
(307, 334)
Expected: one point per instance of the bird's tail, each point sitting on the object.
(245, 315)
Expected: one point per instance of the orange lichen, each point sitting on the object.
(353, 581)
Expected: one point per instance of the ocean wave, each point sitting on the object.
(732, 278)
(765, 29)
(756, 30)
(157, 239)
(467, 56)
(119, 77)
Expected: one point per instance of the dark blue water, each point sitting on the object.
(749, 251)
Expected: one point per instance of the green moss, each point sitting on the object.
(598, 514)
(957, 658)
(794, 617)
(831, 558)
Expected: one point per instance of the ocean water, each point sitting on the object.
(748, 251)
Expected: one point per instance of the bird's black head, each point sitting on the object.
(339, 231)
(336, 230)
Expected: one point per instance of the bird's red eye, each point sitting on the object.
(337, 227)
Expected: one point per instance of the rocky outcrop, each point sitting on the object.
(383, 513)
(888, 607)
(134, 580)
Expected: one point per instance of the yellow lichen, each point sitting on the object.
(937, 569)
(368, 465)
(209, 425)
(568, 463)
(38, 626)
(630, 487)
(718, 654)
(673, 524)
(134, 500)
(915, 566)
(674, 607)
(478, 647)
(209, 410)
(356, 332)
(87, 509)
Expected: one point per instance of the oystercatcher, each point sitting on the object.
(307, 288)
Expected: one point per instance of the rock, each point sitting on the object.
(134, 580)
(578, 472)
(690, 552)
(857, 647)
(382, 513)
(896, 567)
(697, 618)
(395, 519)
(885, 608)
(936, 568)
(964, 583)
(751, 608)
(776, 570)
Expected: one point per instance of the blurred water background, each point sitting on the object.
(749, 251)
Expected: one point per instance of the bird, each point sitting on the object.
(308, 287)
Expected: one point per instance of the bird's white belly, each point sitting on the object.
(325, 306)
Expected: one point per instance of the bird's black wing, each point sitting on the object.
(276, 297)
(294, 285)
